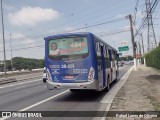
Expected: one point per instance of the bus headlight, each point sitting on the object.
(91, 74)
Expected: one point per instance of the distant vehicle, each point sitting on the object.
(129, 62)
(44, 75)
(79, 61)
(120, 63)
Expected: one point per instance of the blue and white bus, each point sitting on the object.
(79, 61)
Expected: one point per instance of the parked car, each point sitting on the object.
(44, 75)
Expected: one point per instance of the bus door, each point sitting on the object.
(103, 66)
(99, 64)
(111, 63)
(113, 66)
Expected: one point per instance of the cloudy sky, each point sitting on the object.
(27, 22)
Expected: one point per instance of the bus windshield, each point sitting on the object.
(68, 48)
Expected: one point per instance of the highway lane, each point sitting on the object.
(16, 97)
(21, 96)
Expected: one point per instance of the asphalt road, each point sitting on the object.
(24, 95)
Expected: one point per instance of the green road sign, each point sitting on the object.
(124, 48)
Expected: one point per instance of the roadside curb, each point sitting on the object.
(112, 93)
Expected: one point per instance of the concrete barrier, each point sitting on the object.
(7, 80)
(10, 80)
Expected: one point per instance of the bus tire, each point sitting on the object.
(116, 76)
(74, 90)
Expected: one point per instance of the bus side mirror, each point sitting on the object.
(117, 55)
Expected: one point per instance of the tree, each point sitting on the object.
(20, 63)
(41, 63)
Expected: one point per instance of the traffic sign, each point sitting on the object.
(124, 42)
(124, 48)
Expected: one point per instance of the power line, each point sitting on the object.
(93, 12)
(69, 31)
(88, 15)
(108, 12)
(26, 48)
(135, 11)
(107, 22)
(117, 32)
(94, 25)
(150, 11)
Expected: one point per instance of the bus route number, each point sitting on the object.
(67, 66)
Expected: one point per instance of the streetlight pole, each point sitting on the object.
(11, 53)
(4, 51)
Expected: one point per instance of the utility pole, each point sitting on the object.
(133, 42)
(139, 45)
(142, 43)
(4, 51)
(143, 50)
(11, 53)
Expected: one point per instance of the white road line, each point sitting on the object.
(38, 103)
(108, 98)
(19, 84)
(20, 87)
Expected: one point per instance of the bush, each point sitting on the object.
(153, 58)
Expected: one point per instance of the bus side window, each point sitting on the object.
(113, 58)
(97, 46)
(110, 55)
(104, 51)
(99, 58)
(107, 59)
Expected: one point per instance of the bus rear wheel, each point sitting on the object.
(74, 90)
(116, 76)
(108, 85)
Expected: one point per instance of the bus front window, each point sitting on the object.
(69, 48)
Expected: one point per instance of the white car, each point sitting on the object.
(44, 75)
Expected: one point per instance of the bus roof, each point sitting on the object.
(78, 34)
(67, 34)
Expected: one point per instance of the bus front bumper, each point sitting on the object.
(91, 85)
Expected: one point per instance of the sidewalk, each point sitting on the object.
(141, 92)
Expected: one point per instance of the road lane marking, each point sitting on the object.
(21, 83)
(45, 100)
(20, 87)
(108, 98)
(38, 103)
